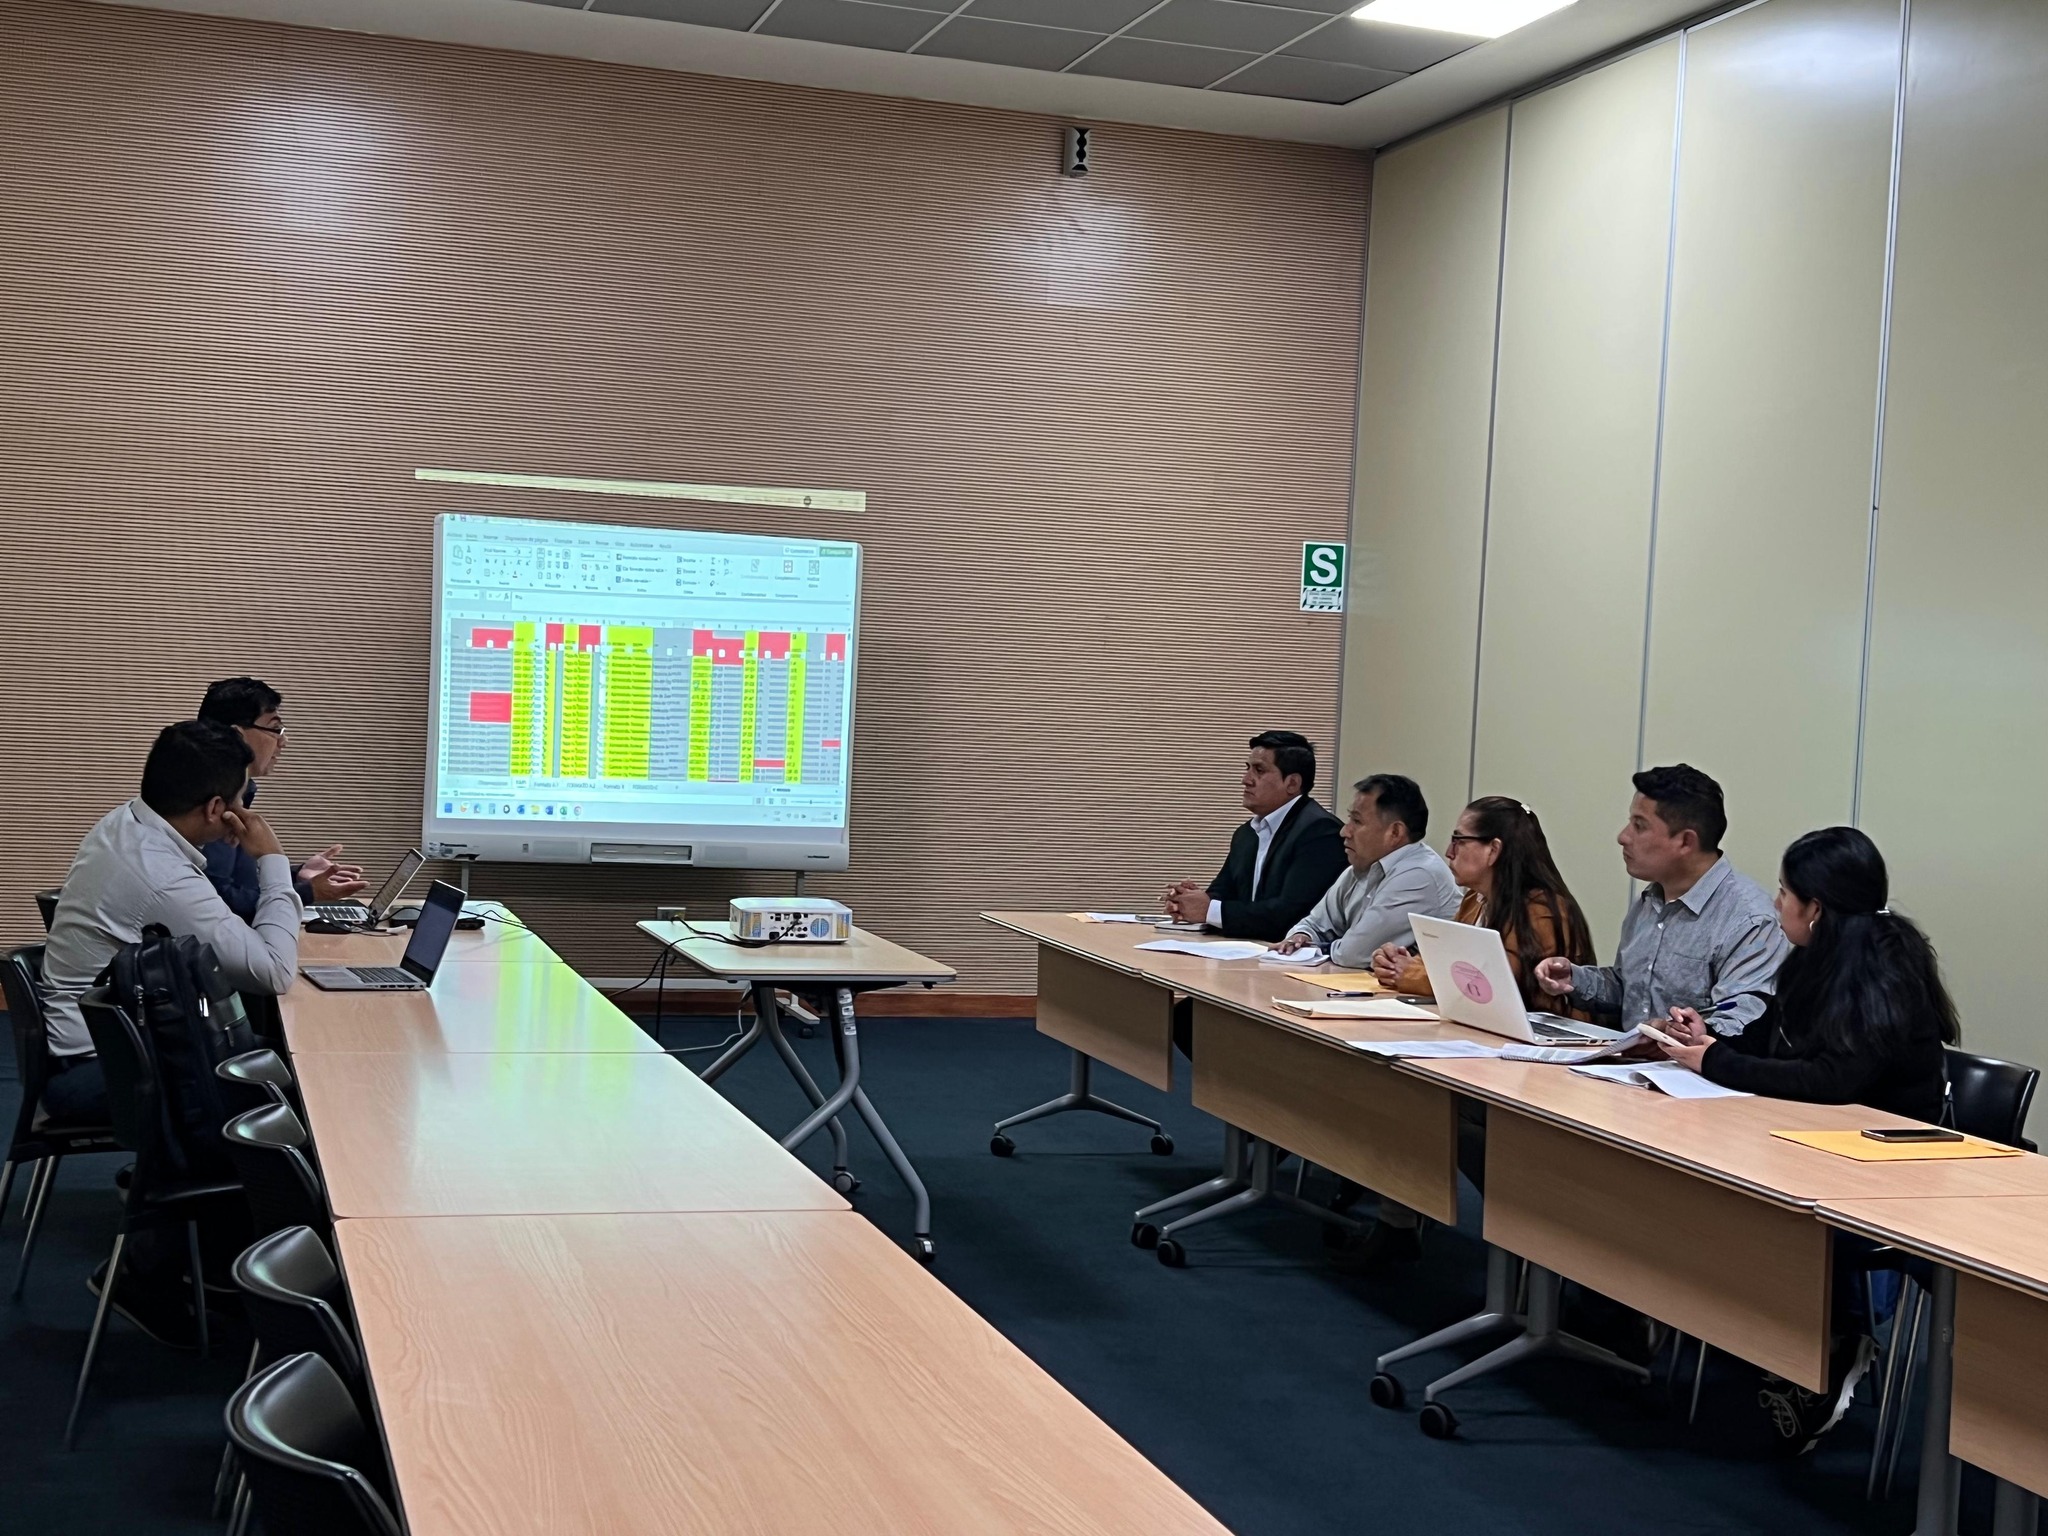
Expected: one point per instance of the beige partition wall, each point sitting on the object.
(1425, 393)
(1763, 510)
(1956, 748)
(1575, 427)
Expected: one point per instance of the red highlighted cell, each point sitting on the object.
(769, 762)
(835, 647)
(490, 708)
(490, 639)
(554, 634)
(590, 636)
(774, 645)
(829, 741)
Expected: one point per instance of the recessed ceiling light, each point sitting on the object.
(1474, 18)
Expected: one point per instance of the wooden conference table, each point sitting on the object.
(594, 1298)
(1690, 1211)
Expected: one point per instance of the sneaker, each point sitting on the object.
(1380, 1246)
(1800, 1416)
(166, 1320)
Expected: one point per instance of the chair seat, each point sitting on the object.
(62, 1138)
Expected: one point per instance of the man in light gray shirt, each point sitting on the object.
(1700, 935)
(1393, 875)
(142, 865)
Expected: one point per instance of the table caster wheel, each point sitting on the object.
(1162, 1144)
(1144, 1235)
(1386, 1391)
(1001, 1145)
(1171, 1254)
(1438, 1422)
(845, 1182)
(923, 1250)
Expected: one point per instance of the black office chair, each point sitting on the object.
(297, 1304)
(37, 1139)
(1986, 1098)
(46, 905)
(310, 1458)
(1990, 1098)
(269, 1148)
(158, 1194)
(262, 1076)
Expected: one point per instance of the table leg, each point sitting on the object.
(735, 1051)
(849, 1092)
(769, 1014)
(1940, 1473)
(2014, 1511)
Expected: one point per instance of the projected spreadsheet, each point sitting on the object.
(596, 682)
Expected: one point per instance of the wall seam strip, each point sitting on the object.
(1663, 397)
(1351, 539)
(1884, 366)
(1500, 285)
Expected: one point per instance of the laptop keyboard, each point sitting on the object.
(382, 975)
(1550, 1031)
(340, 912)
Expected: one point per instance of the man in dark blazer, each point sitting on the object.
(1282, 860)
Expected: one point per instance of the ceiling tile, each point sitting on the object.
(1225, 24)
(1008, 42)
(705, 13)
(1310, 80)
(1380, 46)
(1086, 15)
(849, 21)
(1130, 58)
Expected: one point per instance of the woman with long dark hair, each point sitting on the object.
(1860, 1014)
(1499, 854)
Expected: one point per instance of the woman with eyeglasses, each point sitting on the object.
(1860, 1015)
(1499, 855)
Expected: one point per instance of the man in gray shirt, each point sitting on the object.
(1700, 935)
(1393, 875)
(142, 865)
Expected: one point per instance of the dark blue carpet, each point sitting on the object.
(1243, 1376)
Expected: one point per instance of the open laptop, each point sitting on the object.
(358, 915)
(423, 952)
(1468, 971)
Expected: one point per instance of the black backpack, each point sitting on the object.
(193, 1020)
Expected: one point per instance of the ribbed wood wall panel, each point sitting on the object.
(254, 276)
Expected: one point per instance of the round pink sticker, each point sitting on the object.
(1471, 981)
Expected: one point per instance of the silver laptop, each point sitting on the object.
(423, 952)
(1469, 972)
(358, 915)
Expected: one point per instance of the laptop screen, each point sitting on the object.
(394, 887)
(431, 933)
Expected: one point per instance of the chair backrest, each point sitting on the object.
(311, 1461)
(296, 1301)
(268, 1148)
(262, 1072)
(21, 980)
(134, 1092)
(46, 905)
(1990, 1097)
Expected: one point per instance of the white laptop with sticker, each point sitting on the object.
(1468, 971)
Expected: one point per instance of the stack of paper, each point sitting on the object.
(1355, 1008)
(1664, 1076)
(1117, 917)
(1209, 949)
(1292, 957)
(1424, 1050)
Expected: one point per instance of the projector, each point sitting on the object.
(790, 920)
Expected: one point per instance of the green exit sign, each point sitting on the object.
(1322, 578)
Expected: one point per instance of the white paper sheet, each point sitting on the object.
(1425, 1050)
(1209, 949)
(1666, 1077)
(1570, 1055)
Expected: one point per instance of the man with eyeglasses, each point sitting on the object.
(251, 707)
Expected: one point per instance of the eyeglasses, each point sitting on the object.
(268, 730)
(1464, 837)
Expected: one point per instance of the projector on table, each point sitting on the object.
(790, 920)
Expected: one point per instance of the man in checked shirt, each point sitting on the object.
(1700, 935)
